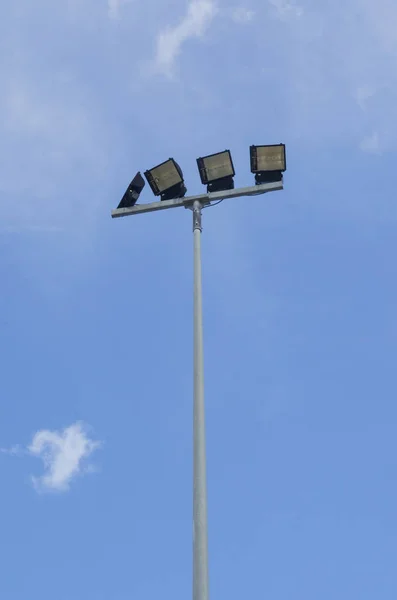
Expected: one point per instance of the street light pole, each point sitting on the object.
(200, 526)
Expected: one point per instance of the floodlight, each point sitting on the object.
(133, 192)
(166, 180)
(217, 171)
(268, 163)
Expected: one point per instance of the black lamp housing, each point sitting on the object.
(166, 180)
(133, 192)
(268, 163)
(217, 171)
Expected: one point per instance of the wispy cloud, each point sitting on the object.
(242, 14)
(363, 95)
(49, 133)
(115, 7)
(63, 454)
(13, 451)
(335, 86)
(286, 10)
(371, 144)
(199, 16)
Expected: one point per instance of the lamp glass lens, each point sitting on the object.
(166, 176)
(218, 166)
(270, 158)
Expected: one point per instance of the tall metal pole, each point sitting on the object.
(200, 528)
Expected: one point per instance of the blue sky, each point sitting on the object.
(299, 300)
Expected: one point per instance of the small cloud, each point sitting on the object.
(371, 144)
(13, 451)
(115, 6)
(62, 453)
(200, 14)
(242, 14)
(286, 10)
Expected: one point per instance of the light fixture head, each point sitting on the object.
(166, 180)
(133, 192)
(217, 171)
(268, 163)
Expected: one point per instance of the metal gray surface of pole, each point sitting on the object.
(200, 527)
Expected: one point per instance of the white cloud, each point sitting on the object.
(62, 453)
(241, 14)
(200, 14)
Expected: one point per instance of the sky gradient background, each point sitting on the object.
(299, 300)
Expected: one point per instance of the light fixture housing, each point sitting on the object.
(217, 171)
(133, 192)
(268, 163)
(166, 180)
